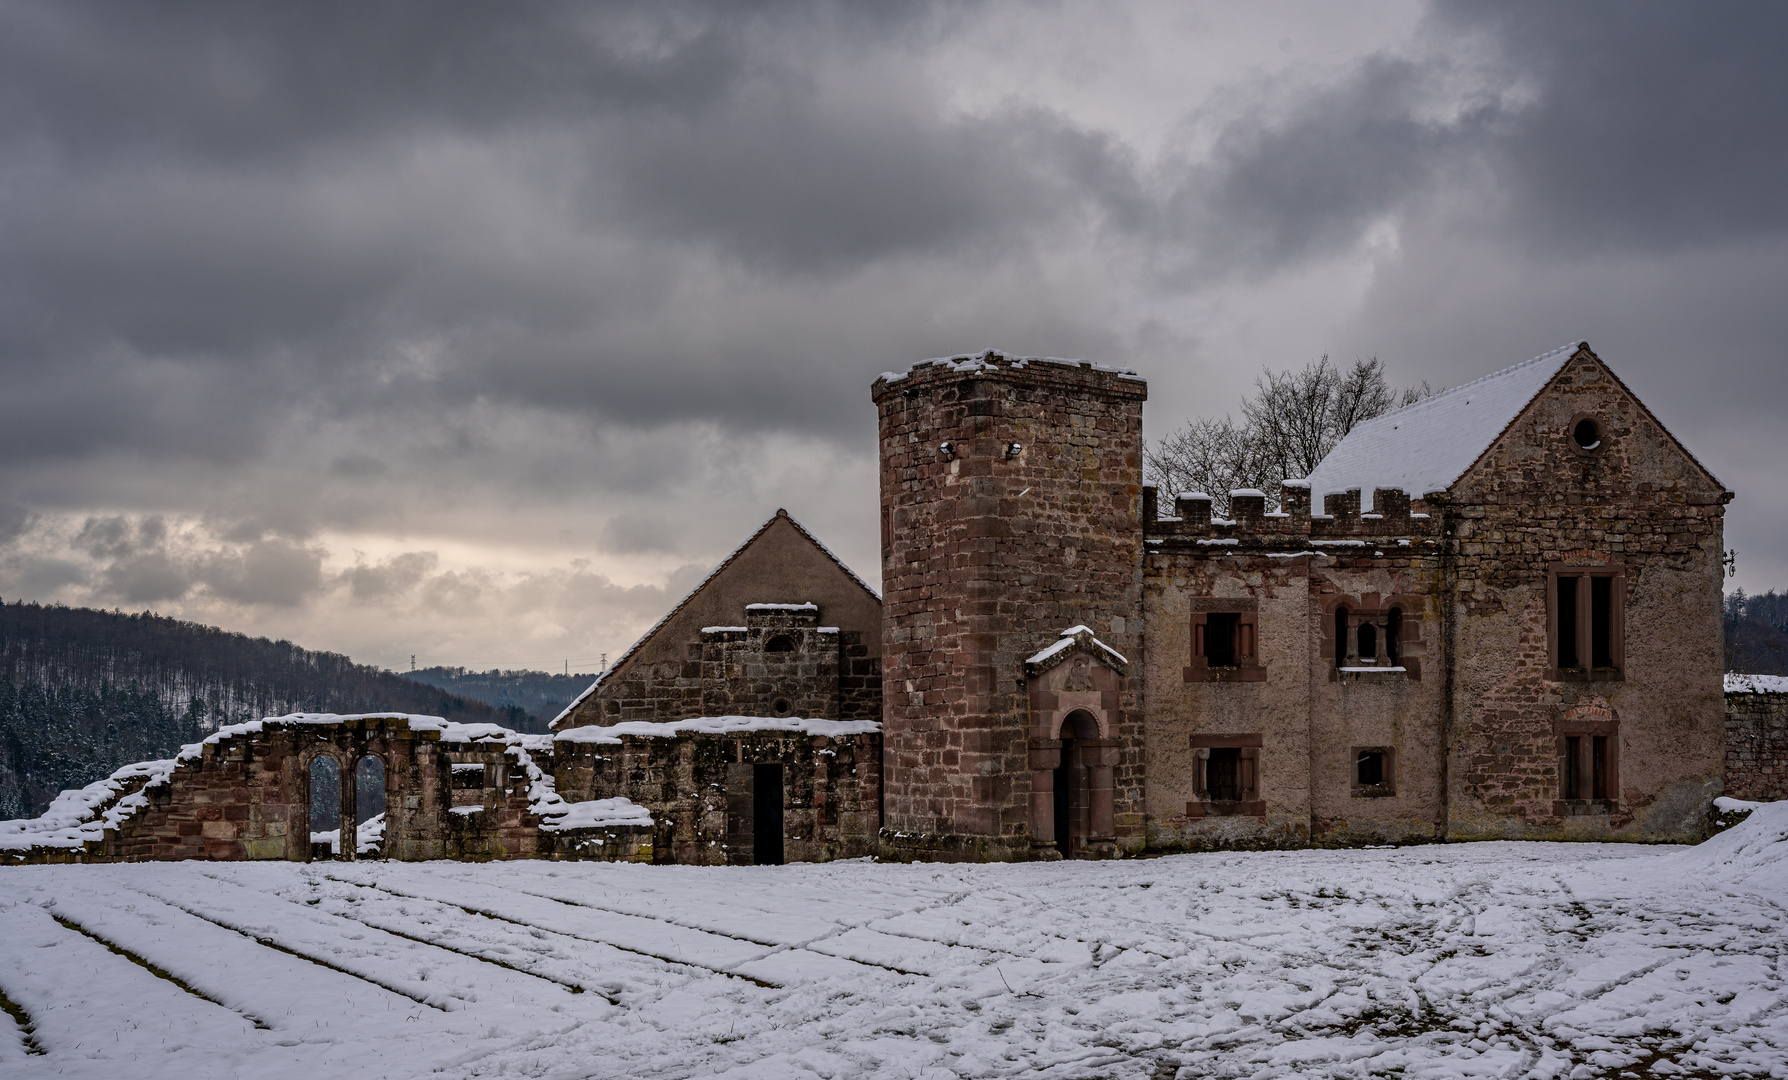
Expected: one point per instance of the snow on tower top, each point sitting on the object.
(1428, 446)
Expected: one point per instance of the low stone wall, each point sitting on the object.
(698, 781)
(1757, 745)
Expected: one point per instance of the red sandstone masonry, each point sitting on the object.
(988, 555)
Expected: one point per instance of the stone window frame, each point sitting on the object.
(1373, 609)
(1248, 667)
(1617, 593)
(1384, 789)
(1202, 805)
(1588, 729)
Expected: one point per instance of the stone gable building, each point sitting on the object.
(1492, 614)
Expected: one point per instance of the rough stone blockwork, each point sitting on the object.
(1757, 746)
(1010, 512)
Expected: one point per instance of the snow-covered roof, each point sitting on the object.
(691, 594)
(1428, 446)
(1072, 636)
(1756, 684)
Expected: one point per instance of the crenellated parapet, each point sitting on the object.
(1191, 523)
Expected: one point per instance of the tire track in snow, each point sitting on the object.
(139, 961)
(23, 1021)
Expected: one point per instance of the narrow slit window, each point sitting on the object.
(1599, 768)
(1220, 638)
(1572, 766)
(1393, 637)
(1340, 637)
(1601, 622)
(1567, 623)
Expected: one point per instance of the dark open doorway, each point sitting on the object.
(766, 816)
(1072, 799)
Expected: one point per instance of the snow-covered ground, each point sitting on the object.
(1500, 960)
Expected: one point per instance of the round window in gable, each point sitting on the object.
(780, 706)
(1586, 432)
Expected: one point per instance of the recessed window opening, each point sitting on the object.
(1340, 637)
(1219, 638)
(1601, 621)
(1586, 766)
(325, 808)
(1598, 780)
(1567, 623)
(1369, 768)
(1588, 433)
(1573, 767)
(1223, 774)
(780, 643)
(1393, 637)
(1368, 642)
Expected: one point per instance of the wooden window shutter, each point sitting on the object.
(1249, 768)
(1201, 760)
(1244, 640)
(1198, 649)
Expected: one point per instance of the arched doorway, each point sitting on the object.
(1073, 797)
(369, 806)
(325, 808)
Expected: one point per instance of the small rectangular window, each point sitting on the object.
(1601, 622)
(1567, 623)
(1369, 767)
(1223, 774)
(1220, 638)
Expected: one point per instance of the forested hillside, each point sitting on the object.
(1757, 633)
(544, 694)
(83, 692)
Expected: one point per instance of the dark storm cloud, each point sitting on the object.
(1637, 127)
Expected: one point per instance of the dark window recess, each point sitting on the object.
(1220, 629)
(1567, 625)
(780, 706)
(766, 816)
(1573, 766)
(1223, 775)
(1588, 434)
(1601, 622)
(1393, 637)
(1598, 777)
(780, 643)
(1368, 641)
(1340, 637)
(1369, 769)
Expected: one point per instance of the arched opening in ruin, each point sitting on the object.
(325, 808)
(1073, 799)
(780, 643)
(369, 806)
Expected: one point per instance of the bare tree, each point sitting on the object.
(1290, 424)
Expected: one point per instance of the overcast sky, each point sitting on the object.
(479, 332)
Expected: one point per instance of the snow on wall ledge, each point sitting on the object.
(1756, 684)
(719, 725)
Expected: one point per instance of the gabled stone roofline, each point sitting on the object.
(1074, 641)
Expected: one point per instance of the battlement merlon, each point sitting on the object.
(1055, 372)
(1395, 516)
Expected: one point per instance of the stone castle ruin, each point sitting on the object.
(1493, 614)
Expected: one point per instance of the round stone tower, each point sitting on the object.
(1011, 513)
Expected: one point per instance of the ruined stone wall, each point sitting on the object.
(698, 788)
(1025, 525)
(1757, 746)
(830, 674)
(1537, 501)
(247, 796)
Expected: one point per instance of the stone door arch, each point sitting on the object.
(1074, 689)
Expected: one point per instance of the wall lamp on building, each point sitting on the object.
(1014, 449)
(946, 449)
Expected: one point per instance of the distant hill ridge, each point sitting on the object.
(544, 694)
(83, 692)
